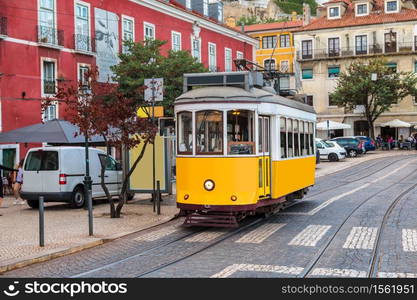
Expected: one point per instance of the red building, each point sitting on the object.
(43, 42)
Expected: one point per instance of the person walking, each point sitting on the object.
(17, 183)
(1, 185)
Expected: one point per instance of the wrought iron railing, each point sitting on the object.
(84, 43)
(357, 51)
(3, 26)
(49, 87)
(50, 35)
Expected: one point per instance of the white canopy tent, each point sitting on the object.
(396, 124)
(331, 125)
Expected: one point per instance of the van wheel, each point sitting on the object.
(78, 196)
(333, 157)
(33, 203)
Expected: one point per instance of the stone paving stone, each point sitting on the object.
(396, 275)
(204, 237)
(156, 235)
(260, 234)
(361, 238)
(409, 239)
(338, 272)
(230, 270)
(310, 236)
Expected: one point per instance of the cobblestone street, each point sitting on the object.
(358, 222)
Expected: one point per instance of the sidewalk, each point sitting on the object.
(325, 167)
(66, 229)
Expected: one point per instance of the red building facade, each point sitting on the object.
(43, 42)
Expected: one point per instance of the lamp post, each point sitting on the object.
(87, 185)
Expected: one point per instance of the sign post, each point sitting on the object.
(153, 93)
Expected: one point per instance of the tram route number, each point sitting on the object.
(392, 288)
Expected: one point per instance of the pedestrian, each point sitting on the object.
(17, 183)
(391, 143)
(379, 141)
(415, 139)
(1, 185)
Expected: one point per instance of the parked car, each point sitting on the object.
(330, 151)
(370, 144)
(352, 145)
(57, 173)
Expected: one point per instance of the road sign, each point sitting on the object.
(154, 89)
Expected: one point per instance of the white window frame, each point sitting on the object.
(188, 4)
(172, 40)
(81, 65)
(55, 18)
(289, 41)
(356, 9)
(280, 64)
(43, 95)
(146, 24)
(239, 55)
(335, 17)
(215, 57)
(206, 7)
(192, 47)
(312, 46)
(394, 11)
(225, 59)
(124, 17)
(340, 44)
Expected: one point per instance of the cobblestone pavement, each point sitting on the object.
(357, 222)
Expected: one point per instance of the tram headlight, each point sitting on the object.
(233, 198)
(209, 185)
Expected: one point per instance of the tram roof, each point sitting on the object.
(236, 94)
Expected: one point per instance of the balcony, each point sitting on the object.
(351, 52)
(3, 27)
(49, 87)
(84, 44)
(50, 37)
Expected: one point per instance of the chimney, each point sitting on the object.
(231, 22)
(306, 14)
(294, 16)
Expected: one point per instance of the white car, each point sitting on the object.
(330, 150)
(57, 173)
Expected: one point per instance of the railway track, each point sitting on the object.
(372, 268)
(360, 178)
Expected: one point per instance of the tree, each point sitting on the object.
(359, 87)
(100, 109)
(146, 60)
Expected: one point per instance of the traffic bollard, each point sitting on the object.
(158, 197)
(41, 222)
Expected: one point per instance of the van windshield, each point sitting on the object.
(327, 144)
(42, 161)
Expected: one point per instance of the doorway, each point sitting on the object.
(264, 156)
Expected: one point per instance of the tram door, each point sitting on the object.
(264, 156)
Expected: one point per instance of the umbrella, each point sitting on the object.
(331, 125)
(52, 132)
(396, 124)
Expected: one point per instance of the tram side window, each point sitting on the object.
(185, 133)
(306, 139)
(302, 138)
(209, 131)
(240, 132)
(310, 131)
(290, 137)
(283, 137)
(296, 138)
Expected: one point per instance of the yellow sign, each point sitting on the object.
(146, 111)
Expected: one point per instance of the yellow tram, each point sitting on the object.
(241, 149)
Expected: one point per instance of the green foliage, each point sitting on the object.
(288, 6)
(356, 87)
(250, 20)
(146, 60)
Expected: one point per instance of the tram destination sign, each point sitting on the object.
(154, 89)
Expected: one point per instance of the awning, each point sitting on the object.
(396, 123)
(385, 119)
(335, 119)
(331, 125)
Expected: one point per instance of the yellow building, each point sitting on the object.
(276, 48)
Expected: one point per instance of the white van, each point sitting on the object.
(57, 173)
(330, 151)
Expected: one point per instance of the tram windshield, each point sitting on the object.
(209, 132)
(240, 132)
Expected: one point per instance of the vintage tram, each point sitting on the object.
(241, 148)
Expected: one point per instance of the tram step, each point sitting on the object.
(210, 220)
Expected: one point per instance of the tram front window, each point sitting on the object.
(209, 130)
(240, 129)
(185, 132)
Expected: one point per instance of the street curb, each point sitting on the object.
(19, 263)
